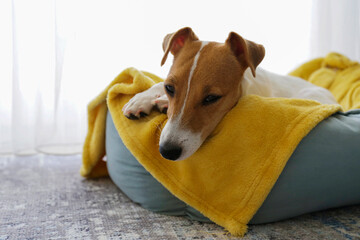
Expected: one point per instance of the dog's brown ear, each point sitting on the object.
(173, 42)
(248, 53)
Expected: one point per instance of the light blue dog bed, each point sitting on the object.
(322, 173)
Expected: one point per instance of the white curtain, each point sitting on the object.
(336, 28)
(56, 55)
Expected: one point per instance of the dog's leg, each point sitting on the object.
(142, 103)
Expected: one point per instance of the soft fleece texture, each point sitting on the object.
(239, 164)
(336, 73)
(130, 81)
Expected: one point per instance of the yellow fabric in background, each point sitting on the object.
(230, 176)
(336, 73)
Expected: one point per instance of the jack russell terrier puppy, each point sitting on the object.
(205, 82)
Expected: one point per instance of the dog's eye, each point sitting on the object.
(211, 99)
(170, 90)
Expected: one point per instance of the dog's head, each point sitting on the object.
(202, 86)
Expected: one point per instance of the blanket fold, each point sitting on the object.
(230, 176)
(338, 74)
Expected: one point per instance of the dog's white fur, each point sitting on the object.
(269, 84)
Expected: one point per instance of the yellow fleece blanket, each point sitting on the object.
(230, 176)
(338, 74)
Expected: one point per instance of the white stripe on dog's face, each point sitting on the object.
(173, 133)
(192, 70)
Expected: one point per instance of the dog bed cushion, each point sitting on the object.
(322, 173)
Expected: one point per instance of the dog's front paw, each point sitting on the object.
(139, 106)
(142, 103)
(162, 103)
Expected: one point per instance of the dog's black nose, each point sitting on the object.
(170, 151)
